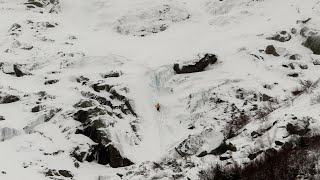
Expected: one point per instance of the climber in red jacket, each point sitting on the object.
(157, 106)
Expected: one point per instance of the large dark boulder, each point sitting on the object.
(116, 160)
(84, 115)
(252, 156)
(196, 67)
(6, 99)
(37, 108)
(298, 126)
(224, 147)
(265, 97)
(95, 132)
(81, 116)
(103, 152)
(271, 50)
(108, 155)
(313, 43)
(85, 103)
(17, 71)
(104, 87)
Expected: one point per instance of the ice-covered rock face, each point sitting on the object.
(197, 144)
(144, 22)
(80, 96)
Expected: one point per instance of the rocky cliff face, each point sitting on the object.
(118, 89)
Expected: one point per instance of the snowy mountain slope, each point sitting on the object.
(80, 80)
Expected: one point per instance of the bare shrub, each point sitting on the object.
(236, 124)
(263, 112)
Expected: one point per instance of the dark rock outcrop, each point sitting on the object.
(295, 57)
(271, 152)
(252, 156)
(278, 143)
(112, 74)
(125, 107)
(37, 108)
(198, 66)
(53, 81)
(85, 103)
(225, 157)
(108, 155)
(82, 80)
(202, 154)
(17, 71)
(78, 154)
(255, 134)
(303, 21)
(293, 75)
(313, 43)
(15, 27)
(35, 3)
(271, 50)
(104, 87)
(298, 126)
(27, 47)
(103, 152)
(282, 36)
(224, 147)
(265, 97)
(6, 99)
(307, 32)
(84, 115)
(54, 4)
(303, 66)
(95, 132)
(81, 116)
(316, 62)
(53, 172)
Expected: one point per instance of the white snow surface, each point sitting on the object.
(86, 42)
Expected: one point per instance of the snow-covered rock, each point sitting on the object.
(151, 20)
(99, 90)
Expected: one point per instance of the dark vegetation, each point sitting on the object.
(236, 124)
(296, 159)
